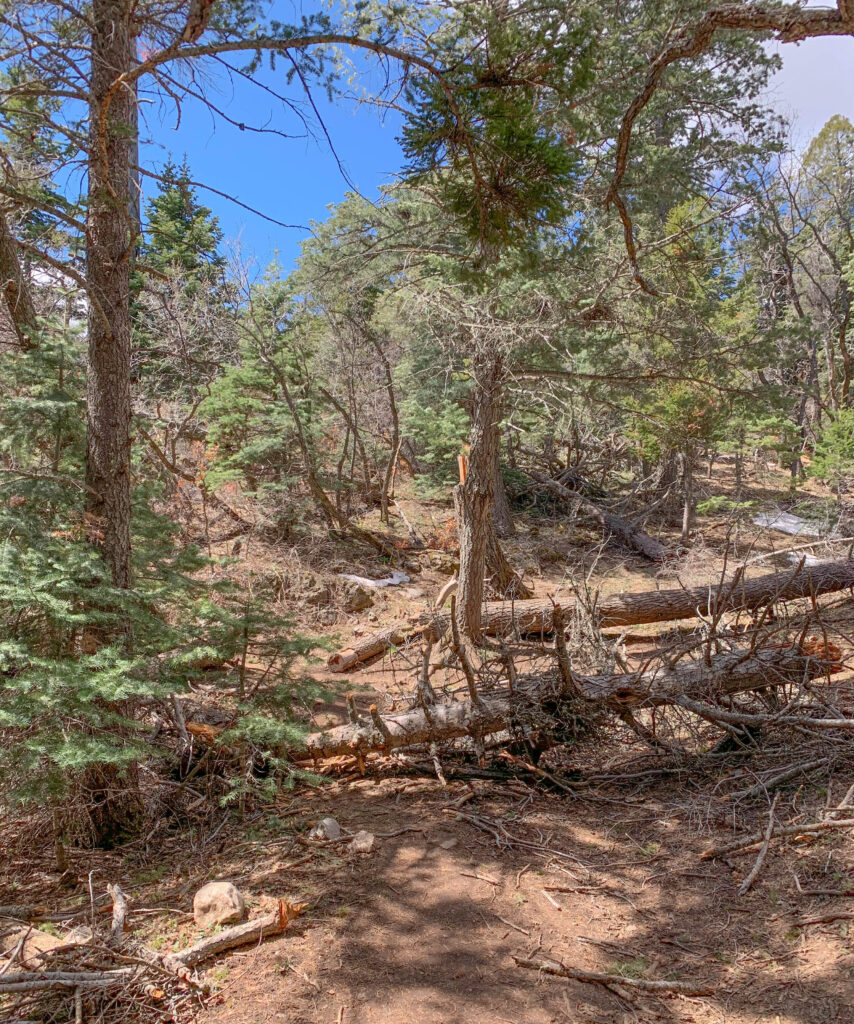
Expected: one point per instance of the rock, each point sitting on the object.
(356, 598)
(361, 843)
(318, 598)
(447, 565)
(218, 903)
(326, 828)
(448, 844)
(35, 944)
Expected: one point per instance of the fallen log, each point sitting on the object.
(731, 672)
(626, 534)
(370, 646)
(737, 594)
(727, 673)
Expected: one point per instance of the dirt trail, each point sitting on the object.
(406, 934)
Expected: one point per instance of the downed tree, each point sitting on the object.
(368, 647)
(731, 672)
(738, 594)
(626, 534)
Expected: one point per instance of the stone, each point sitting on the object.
(35, 944)
(218, 903)
(356, 598)
(448, 844)
(361, 843)
(320, 597)
(326, 828)
(447, 565)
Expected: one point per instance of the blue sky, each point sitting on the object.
(294, 180)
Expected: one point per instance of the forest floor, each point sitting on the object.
(608, 877)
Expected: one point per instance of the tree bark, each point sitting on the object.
(475, 496)
(503, 578)
(108, 263)
(16, 288)
(502, 517)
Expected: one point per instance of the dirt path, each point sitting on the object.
(406, 934)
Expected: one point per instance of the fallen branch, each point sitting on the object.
(684, 988)
(240, 935)
(840, 915)
(763, 852)
(811, 828)
(29, 981)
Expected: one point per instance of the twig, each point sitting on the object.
(552, 900)
(510, 924)
(778, 780)
(483, 878)
(757, 867)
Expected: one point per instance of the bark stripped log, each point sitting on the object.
(732, 672)
(737, 594)
(626, 534)
(368, 647)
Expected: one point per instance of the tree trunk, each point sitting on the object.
(16, 288)
(475, 496)
(108, 263)
(503, 579)
(687, 496)
(115, 805)
(502, 517)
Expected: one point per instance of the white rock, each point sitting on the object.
(362, 842)
(218, 903)
(326, 828)
(394, 580)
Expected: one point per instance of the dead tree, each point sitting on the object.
(536, 616)
(621, 531)
(735, 671)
